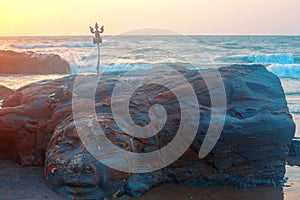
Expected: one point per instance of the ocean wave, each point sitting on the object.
(230, 43)
(69, 45)
(71, 57)
(89, 57)
(75, 69)
(292, 93)
(272, 58)
(288, 70)
(232, 59)
(41, 46)
(294, 108)
(91, 67)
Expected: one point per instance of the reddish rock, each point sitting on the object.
(4, 92)
(32, 63)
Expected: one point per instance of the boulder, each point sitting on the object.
(38, 122)
(32, 63)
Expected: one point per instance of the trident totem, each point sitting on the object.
(97, 40)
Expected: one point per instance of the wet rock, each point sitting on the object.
(295, 147)
(25, 127)
(251, 150)
(4, 92)
(32, 63)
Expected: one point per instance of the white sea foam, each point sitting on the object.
(294, 107)
(272, 58)
(229, 43)
(72, 58)
(75, 69)
(285, 70)
(90, 67)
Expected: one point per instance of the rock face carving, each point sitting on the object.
(38, 127)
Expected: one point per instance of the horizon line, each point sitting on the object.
(151, 35)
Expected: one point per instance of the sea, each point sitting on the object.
(279, 54)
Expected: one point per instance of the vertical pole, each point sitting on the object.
(98, 64)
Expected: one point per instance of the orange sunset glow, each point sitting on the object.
(57, 17)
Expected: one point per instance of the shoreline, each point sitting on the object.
(29, 183)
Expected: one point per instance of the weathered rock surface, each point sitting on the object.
(32, 63)
(295, 147)
(4, 92)
(37, 120)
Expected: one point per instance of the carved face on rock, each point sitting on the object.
(72, 171)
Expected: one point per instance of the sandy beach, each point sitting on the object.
(18, 182)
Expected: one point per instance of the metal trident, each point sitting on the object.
(97, 40)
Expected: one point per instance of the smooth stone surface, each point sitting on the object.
(32, 63)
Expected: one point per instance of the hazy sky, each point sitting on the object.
(71, 17)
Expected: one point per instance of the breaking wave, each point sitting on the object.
(285, 70)
(68, 45)
(75, 69)
(272, 58)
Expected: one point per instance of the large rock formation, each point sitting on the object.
(32, 63)
(37, 124)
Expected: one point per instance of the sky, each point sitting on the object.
(71, 17)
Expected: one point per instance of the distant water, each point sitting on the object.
(280, 54)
